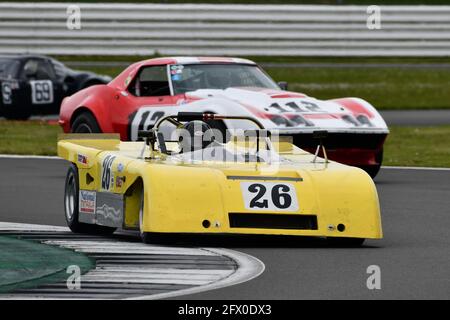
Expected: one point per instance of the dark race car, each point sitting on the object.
(37, 85)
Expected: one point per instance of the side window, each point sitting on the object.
(151, 82)
(9, 69)
(36, 69)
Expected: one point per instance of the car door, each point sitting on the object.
(148, 98)
(44, 92)
(8, 83)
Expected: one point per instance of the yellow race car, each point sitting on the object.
(252, 183)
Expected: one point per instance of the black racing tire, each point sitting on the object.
(345, 242)
(71, 211)
(85, 123)
(373, 170)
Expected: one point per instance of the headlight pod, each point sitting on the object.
(289, 120)
(359, 120)
(281, 121)
(351, 119)
(299, 120)
(364, 120)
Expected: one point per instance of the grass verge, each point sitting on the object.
(28, 137)
(28, 264)
(418, 146)
(405, 146)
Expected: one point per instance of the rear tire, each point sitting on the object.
(71, 194)
(85, 123)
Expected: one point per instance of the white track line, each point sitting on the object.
(415, 168)
(12, 226)
(19, 156)
(248, 268)
(203, 279)
(129, 248)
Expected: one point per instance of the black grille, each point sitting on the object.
(273, 221)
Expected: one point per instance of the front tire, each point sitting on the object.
(345, 242)
(145, 236)
(373, 170)
(85, 123)
(71, 194)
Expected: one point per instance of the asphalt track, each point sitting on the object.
(414, 256)
(416, 117)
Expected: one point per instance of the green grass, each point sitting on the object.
(394, 87)
(385, 88)
(418, 146)
(405, 146)
(28, 264)
(31, 137)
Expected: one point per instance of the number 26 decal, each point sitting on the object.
(269, 196)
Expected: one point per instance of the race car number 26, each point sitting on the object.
(107, 175)
(269, 196)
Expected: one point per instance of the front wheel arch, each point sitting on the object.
(72, 188)
(87, 112)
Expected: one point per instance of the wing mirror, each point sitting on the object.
(283, 85)
(69, 79)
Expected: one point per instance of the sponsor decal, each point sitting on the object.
(120, 167)
(120, 181)
(107, 177)
(109, 213)
(87, 201)
(176, 67)
(82, 159)
(127, 80)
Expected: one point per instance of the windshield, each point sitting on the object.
(8, 68)
(192, 77)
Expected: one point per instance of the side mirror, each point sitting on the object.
(69, 79)
(283, 85)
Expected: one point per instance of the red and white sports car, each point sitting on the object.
(151, 89)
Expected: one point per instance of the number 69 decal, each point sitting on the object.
(269, 196)
(41, 91)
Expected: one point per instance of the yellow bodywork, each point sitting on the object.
(179, 196)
